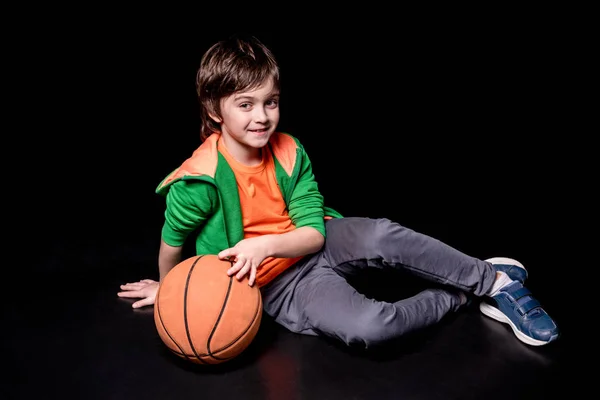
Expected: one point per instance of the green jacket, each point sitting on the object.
(202, 196)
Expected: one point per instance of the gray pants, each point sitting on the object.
(314, 297)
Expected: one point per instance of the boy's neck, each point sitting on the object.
(245, 155)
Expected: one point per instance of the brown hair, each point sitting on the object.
(230, 66)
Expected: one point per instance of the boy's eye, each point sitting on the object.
(245, 105)
(272, 103)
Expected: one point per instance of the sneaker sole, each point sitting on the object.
(505, 260)
(496, 314)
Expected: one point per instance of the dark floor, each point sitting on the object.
(74, 338)
(127, 120)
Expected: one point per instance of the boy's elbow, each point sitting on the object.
(319, 241)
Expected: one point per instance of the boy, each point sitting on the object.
(248, 194)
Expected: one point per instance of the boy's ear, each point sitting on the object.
(215, 118)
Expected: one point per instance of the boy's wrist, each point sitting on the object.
(271, 244)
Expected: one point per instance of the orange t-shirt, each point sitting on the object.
(263, 208)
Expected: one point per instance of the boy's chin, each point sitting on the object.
(259, 140)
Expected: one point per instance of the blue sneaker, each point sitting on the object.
(514, 269)
(514, 305)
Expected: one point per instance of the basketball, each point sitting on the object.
(202, 314)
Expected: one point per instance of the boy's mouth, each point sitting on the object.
(259, 131)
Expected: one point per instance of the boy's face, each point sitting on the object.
(249, 118)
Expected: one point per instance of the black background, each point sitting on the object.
(460, 131)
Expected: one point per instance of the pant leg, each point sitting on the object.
(316, 300)
(356, 243)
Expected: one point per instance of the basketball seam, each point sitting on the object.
(187, 330)
(250, 325)
(219, 319)
(171, 337)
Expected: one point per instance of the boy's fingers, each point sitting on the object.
(224, 254)
(129, 294)
(135, 285)
(247, 267)
(233, 270)
(252, 276)
(145, 302)
(238, 265)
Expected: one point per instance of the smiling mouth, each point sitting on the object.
(259, 131)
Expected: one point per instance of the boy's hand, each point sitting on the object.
(145, 289)
(247, 255)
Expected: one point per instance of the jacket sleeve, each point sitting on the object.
(306, 202)
(188, 205)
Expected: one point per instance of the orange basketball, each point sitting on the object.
(202, 314)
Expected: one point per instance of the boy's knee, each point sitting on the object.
(367, 336)
(363, 331)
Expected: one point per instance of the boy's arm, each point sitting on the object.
(306, 204)
(248, 254)
(188, 206)
(299, 242)
(168, 257)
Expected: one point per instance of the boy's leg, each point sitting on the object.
(315, 300)
(356, 243)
